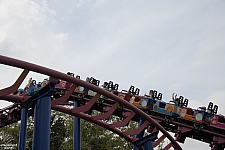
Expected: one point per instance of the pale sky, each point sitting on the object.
(169, 46)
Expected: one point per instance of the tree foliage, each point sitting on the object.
(58, 131)
(93, 137)
(57, 135)
(96, 137)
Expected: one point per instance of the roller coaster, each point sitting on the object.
(152, 114)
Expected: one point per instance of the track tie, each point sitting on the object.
(87, 106)
(65, 97)
(156, 143)
(138, 130)
(107, 114)
(124, 122)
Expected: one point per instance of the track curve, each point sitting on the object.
(4, 93)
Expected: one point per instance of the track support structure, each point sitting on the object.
(76, 130)
(23, 129)
(147, 141)
(42, 114)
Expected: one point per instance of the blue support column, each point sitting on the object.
(147, 141)
(41, 139)
(148, 145)
(140, 135)
(76, 130)
(23, 129)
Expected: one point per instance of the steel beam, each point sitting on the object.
(23, 129)
(76, 130)
(140, 135)
(41, 139)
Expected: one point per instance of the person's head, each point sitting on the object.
(203, 108)
(105, 84)
(151, 93)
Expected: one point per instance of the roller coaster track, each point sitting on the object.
(5, 94)
(127, 112)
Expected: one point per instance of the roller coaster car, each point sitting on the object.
(109, 86)
(166, 108)
(92, 81)
(78, 89)
(201, 116)
(154, 95)
(19, 92)
(38, 87)
(112, 87)
(147, 101)
(127, 95)
(177, 106)
(44, 83)
(33, 87)
(182, 103)
(63, 86)
(170, 109)
(218, 121)
(143, 102)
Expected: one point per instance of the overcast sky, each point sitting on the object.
(169, 46)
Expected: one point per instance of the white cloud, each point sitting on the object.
(210, 48)
(100, 1)
(26, 30)
(81, 3)
(167, 46)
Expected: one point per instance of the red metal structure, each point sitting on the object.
(127, 112)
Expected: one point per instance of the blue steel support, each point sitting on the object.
(148, 145)
(146, 141)
(140, 135)
(150, 137)
(41, 102)
(41, 139)
(23, 129)
(76, 130)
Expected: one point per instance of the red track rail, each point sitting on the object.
(4, 94)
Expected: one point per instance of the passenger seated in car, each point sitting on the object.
(203, 108)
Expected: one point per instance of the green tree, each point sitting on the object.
(58, 131)
(10, 134)
(96, 137)
(93, 137)
(57, 136)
